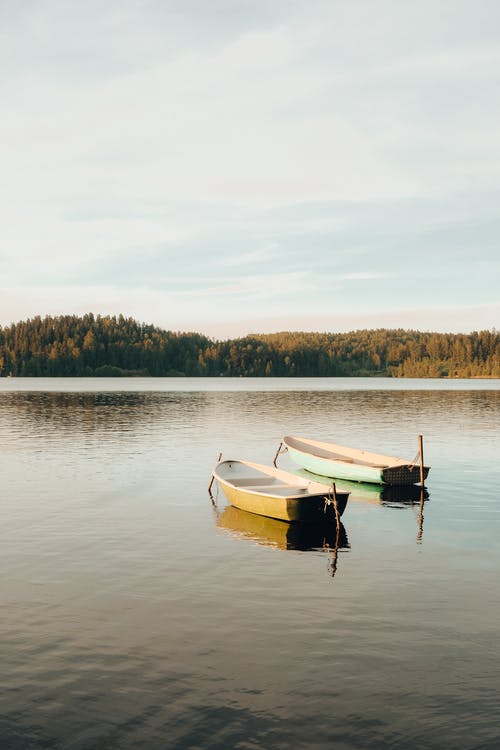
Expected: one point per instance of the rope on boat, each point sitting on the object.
(414, 463)
(419, 460)
(331, 499)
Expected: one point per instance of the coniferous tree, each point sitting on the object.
(105, 345)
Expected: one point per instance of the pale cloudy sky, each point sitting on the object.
(233, 166)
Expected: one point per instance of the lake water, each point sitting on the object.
(137, 615)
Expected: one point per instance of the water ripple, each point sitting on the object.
(136, 615)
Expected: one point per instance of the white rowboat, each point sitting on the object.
(331, 460)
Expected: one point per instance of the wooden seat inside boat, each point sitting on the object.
(251, 481)
(281, 489)
(322, 453)
(268, 484)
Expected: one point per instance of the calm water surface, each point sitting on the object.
(135, 614)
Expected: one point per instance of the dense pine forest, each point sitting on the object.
(107, 346)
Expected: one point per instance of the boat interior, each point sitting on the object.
(268, 484)
(320, 451)
(245, 476)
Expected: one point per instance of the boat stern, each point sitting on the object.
(403, 475)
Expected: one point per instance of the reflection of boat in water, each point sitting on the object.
(408, 496)
(280, 534)
(341, 462)
(380, 494)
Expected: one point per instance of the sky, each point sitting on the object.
(243, 166)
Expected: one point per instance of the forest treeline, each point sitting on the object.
(69, 345)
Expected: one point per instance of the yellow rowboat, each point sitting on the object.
(275, 493)
(331, 460)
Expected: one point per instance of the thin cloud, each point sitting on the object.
(162, 157)
(366, 275)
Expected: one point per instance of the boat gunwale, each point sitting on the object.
(301, 496)
(305, 494)
(307, 446)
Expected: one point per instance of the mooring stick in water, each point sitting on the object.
(335, 551)
(212, 479)
(335, 505)
(332, 565)
(421, 517)
(276, 456)
(421, 452)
